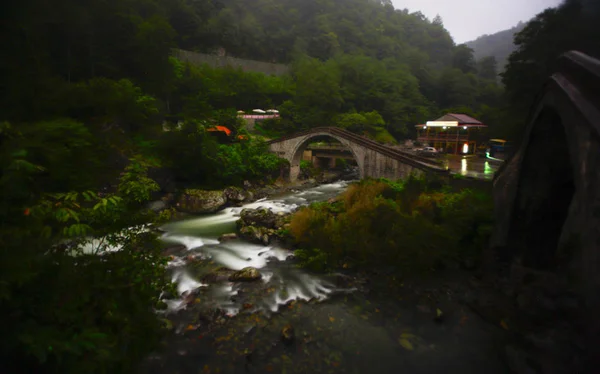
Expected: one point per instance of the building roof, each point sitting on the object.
(462, 119)
(454, 120)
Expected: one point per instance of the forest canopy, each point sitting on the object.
(364, 55)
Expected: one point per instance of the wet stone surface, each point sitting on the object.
(355, 332)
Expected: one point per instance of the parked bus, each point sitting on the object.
(499, 148)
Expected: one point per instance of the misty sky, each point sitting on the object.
(468, 19)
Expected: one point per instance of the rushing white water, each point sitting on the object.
(199, 236)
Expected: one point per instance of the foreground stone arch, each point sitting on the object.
(547, 196)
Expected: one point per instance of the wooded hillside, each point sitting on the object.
(500, 45)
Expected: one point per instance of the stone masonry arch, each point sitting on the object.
(294, 156)
(547, 195)
(374, 160)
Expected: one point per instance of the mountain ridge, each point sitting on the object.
(500, 45)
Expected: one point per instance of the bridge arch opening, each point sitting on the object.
(324, 152)
(546, 189)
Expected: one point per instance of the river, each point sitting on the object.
(380, 326)
(199, 238)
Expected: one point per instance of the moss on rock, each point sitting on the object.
(201, 201)
(247, 274)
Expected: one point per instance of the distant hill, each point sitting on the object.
(499, 45)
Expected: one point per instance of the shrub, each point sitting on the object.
(406, 224)
(307, 169)
(63, 310)
(313, 259)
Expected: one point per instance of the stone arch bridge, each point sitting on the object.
(547, 195)
(374, 160)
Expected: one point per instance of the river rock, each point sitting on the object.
(245, 275)
(257, 217)
(262, 226)
(216, 276)
(174, 249)
(157, 206)
(227, 237)
(235, 195)
(200, 201)
(256, 235)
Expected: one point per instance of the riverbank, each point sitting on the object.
(286, 319)
(247, 307)
(186, 203)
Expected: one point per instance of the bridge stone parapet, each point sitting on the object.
(373, 159)
(547, 195)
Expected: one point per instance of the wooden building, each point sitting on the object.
(451, 133)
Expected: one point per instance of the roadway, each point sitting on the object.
(469, 166)
(472, 166)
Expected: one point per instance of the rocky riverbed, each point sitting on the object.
(243, 306)
(187, 202)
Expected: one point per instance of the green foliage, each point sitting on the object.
(65, 309)
(360, 122)
(66, 150)
(247, 160)
(314, 259)
(308, 169)
(135, 184)
(412, 225)
(111, 103)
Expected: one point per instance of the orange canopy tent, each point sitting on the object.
(220, 128)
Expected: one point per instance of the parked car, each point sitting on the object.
(428, 151)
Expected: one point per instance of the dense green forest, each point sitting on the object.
(88, 85)
(348, 56)
(499, 45)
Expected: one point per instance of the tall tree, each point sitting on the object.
(464, 59)
(487, 68)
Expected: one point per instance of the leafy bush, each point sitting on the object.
(341, 163)
(247, 160)
(307, 169)
(314, 259)
(65, 310)
(407, 224)
(67, 150)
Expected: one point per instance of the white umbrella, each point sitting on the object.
(258, 111)
(272, 111)
(241, 112)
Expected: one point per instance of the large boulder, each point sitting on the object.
(157, 206)
(257, 217)
(200, 201)
(236, 196)
(262, 226)
(256, 234)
